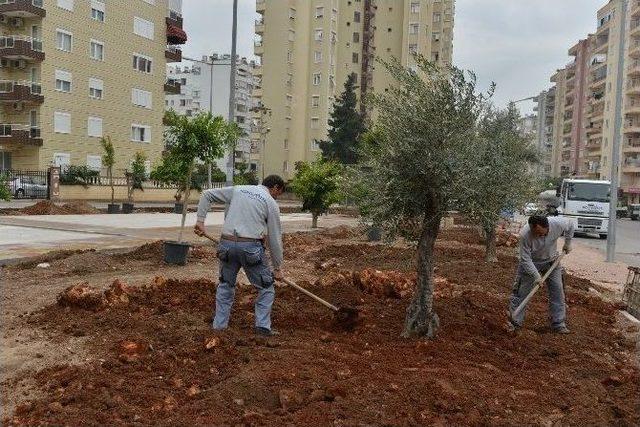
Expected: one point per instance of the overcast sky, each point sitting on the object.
(516, 43)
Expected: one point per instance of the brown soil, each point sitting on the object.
(156, 361)
(46, 207)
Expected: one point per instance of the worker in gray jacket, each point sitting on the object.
(538, 251)
(251, 213)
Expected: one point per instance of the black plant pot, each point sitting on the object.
(113, 208)
(374, 234)
(127, 208)
(178, 208)
(176, 252)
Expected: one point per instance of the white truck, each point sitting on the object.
(584, 201)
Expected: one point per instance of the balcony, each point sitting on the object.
(594, 144)
(634, 8)
(173, 54)
(175, 34)
(21, 91)
(594, 130)
(258, 48)
(259, 26)
(601, 46)
(20, 134)
(631, 126)
(634, 28)
(631, 146)
(634, 49)
(258, 92)
(172, 87)
(631, 164)
(633, 87)
(21, 47)
(173, 18)
(632, 106)
(23, 8)
(261, 6)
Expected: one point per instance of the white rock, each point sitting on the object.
(44, 265)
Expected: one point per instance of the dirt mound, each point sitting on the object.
(49, 257)
(341, 232)
(391, 284)
(79, 208)
(44, 207)
(81, 296)
(148, 251)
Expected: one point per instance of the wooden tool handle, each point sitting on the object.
(306, 292)
(524, 302)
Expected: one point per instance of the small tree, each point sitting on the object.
(108, 161)
(346, 126)
(138, 174)
(317, 185)
(244, 177)
(426, 123)
(202, 137)
(503, 178)
(5, 191)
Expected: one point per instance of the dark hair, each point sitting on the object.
(273, 180)
(540, 220)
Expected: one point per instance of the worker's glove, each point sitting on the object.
(567, 247)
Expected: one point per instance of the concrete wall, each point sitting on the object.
(103, 193)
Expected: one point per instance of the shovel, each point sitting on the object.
(513, 314)
(347, 317)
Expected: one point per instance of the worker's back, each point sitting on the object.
(247, 212)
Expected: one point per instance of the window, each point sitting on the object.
(61, 122)
(94, 162)
(315, 123)
(334, 37)
(285, 166)
(415, 7)
(292, 35)
(435, 56)
(356, 16)
(414, 28)
(141, 98)
(318, 35)
(140, 133)
(315, 101)
(62, 160)
(183, 102)
(356, 37)
(292, 13)
(355, 78)
(63, 81)
(289, 57)
(316, 79)
(195, 94)
(96, 49)
(354, 57)
(97, 10)
(286, 144)
(413, 48)
(143, 28)
(142, 63)
(435, 36)
(319, 12)
(64, 40)
(317, 57)
(66, 5)
(437, 17)
(94, 127)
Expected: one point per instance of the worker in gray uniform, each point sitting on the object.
(251, 213)
(538, 251)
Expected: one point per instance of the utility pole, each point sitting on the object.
(232, 89)
(617, 131)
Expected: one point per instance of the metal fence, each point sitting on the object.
(28, 184)
(121, 181)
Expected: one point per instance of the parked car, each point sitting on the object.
(530, 208)
(28, 186)
(634, 212)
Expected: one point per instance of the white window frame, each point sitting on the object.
(317, 79)
(317, 57)
(65, 33)
(97, 85)
(415, 7)
(60, 115)
(98, 43)
(318, 34)
(315, 123)
(92, 161)
(315, 145)
(292, 13)
(141, 98)
(63, 77)
(98, 6)
(143, 28)
(94, 121)
(315, 101)
(147, 132)
(414, 28)
(137, 57)
(319, 12)
(437, 17)
(65, 4)
(65, 156)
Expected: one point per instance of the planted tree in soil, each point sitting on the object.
(108, 161)
(190, 139)
(503, 178)
(427, 124)
(5, 191)
(317, 185)
(135, 178)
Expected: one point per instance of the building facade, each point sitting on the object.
(204, 86)
(307, 50)
(74, 71)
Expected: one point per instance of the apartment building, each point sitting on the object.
(203, 85)
(73, 71)
(307, 50)
(543, 129)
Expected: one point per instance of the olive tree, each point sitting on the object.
(426, 123)
(108, 161)
(137, 175)
(317, 185)
(503, 177)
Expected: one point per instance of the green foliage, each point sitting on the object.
(171, 171)
(137, 175)
(244, 177)
(346, 127)
(549, 183)
(317, 184)
(5, 191)
(109, 160)
(78, 175)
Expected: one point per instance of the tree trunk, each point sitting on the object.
(314, 219)
(490, 244)
(110, 172)
(186, 200)
(421, 320)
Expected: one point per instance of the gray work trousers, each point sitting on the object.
(524, 283)
(251, 257)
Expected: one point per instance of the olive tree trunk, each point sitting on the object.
(490, 244)
(110, 175)
(421, 319)
(314, 219)
(187, 193)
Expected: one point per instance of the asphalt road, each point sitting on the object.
(627, 241)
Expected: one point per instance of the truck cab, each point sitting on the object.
(586, 203)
